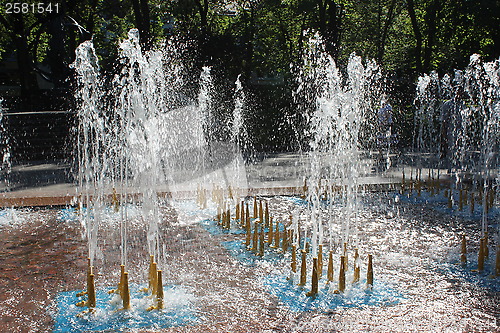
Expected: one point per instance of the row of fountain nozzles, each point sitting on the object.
(155, 286)
(255, 242)
(483, 253)
(317, 270)
(465, 196)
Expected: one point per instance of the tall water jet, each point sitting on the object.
(341, 107)
(239, 136)
(144, 93)
(427, 141)
(5, 164)
(204, 113)
(141, 137)
(131, 137)
(482, 88)
(458, 119)
(91, 144)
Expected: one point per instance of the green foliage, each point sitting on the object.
(266, 36)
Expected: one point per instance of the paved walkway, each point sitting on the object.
(52, 183)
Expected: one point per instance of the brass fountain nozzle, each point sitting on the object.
(158, 292)
(151, 275)
(369, 273)
(314, 281)
(341, 275)
(115, 201)
(329, 274)
(266, 215)
(463, 255)
(255, 207)
(270, 233)
(320, 261)
(303, 269)
(242, 212)
(91, 297)
(294, 259)
(237, 212)
(248, 230)
(357, 272)
(123, 288)
(255, 236)
(125, 293)
(90, 269)
(119, 289)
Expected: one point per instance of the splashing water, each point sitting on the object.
(139, 136)
(5, 164)
(341, 104)
(458, 122)
(132, 134)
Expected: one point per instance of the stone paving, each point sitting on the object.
(52, 182)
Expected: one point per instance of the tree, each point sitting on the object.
(17, 25)
(447, 32)
(142, 21)
(329, 24)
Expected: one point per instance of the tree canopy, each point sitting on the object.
(253, 37)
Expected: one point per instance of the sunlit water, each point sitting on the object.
(419, 285)
(140, 135)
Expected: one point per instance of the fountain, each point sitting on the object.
(5, 166)
(165, 234)
(457, 141)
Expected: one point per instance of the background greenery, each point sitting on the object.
(255, 38)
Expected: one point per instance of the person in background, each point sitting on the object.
(385, 120)
(384, 137)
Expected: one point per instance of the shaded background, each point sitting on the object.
(263, 40)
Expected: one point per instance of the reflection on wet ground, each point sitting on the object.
(416, 249)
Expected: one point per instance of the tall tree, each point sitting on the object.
(417, 33)
(329, 24)
(384, 28)
(142, 21)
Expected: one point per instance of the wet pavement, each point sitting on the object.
(46, 183)
(415, 249)
(43, 251)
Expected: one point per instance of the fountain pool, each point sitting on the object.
(320, 241)
(419, 284)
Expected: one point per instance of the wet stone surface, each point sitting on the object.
(415, 252)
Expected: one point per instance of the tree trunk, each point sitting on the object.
(431, 18)
(418, 36)
(141, 12)
(329, 25)
(385, 32)
(205, 35)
